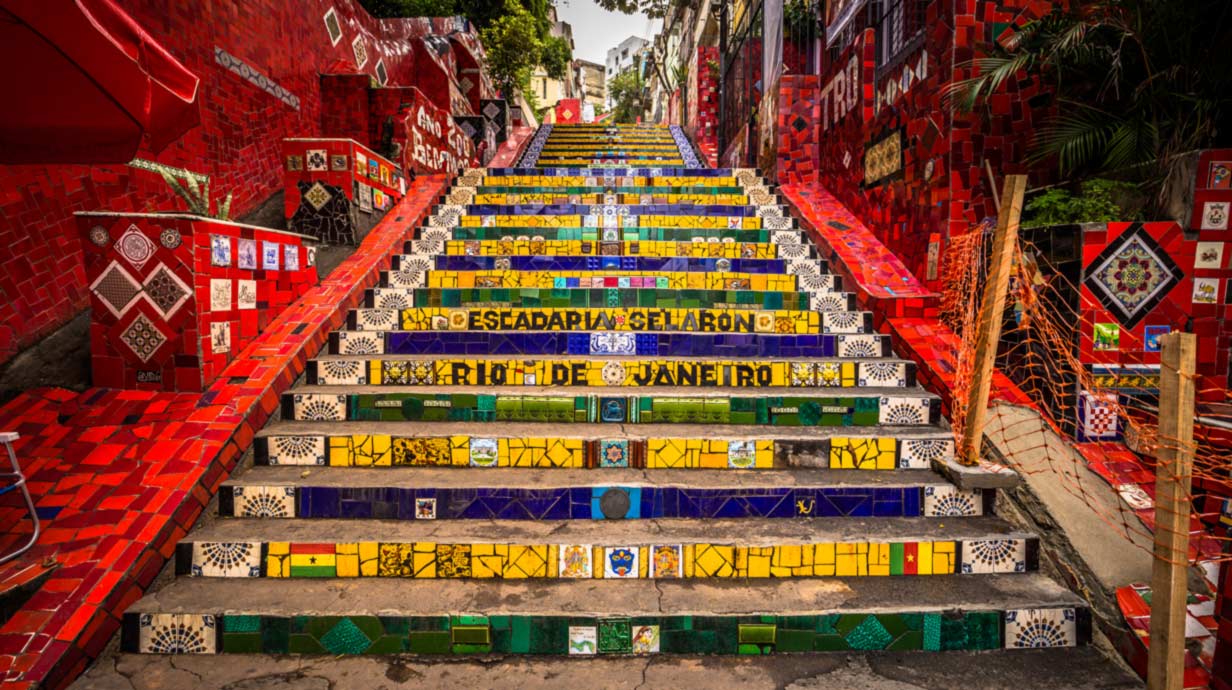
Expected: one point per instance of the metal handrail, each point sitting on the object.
(18, 484)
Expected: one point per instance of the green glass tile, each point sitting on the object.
(471, 649)
(829, 643)
(388, 644)
(893, 623)
(896, 558)
(794, 640)
(749, 650)
(275, 633)
(615, 636)
(795, 622)
(758, 633)
(241, 624)
(345, 638)
(300, 643)
(471, 634)
(548, 635)
(242, 643)
(910, 640)
(932, 632)
(429, 642)
(502, 641)
(520, 634)
(428, 623)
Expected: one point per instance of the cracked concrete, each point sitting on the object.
(1070, 669)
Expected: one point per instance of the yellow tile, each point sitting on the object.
(369, 554)
(346, 559)
(924, 558)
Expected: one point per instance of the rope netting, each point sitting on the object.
(1094, 428)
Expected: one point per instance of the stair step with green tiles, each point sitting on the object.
(776, 407)
(419, 493)
(410, 272)
(484, 445)
(497, 370)
(581, 617)
(751, 548)
(649, 248)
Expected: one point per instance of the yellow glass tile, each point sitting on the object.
(943, 558)
(924, 558)
(461, 450)
(346, 559)
(369, 555)
(759, 561)
(713, 560)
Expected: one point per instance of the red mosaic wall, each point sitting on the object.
(932, 185)
(259, 62)
(175, 297)
(341, 163)
(430, 140)
(707, 131)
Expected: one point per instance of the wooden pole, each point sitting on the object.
(992, 311)
(1173, 475)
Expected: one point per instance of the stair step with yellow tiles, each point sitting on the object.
(483, 445)
(777, 407)
(628, 296)
(751, 548)
(434, 617)
(612, 319)
(498, 370)
(416, 273)
(419, 493)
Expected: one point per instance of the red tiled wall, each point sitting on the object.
(430, 140)
(295, 154)
(707, 132)
(238, 142)
(941, 189)
(344, 107)
(183, 355)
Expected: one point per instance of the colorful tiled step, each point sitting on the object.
(605, 343)
(425, 493)
(450, 216)
(654, 405)
(467, 617)
(494, 370)
(644, 175)
(409, 277)
(597, 234)
(636, 209)
(650, 248)
(612, 319)
(378, 298)
(489, 445)
(407, 268)
(752, 548)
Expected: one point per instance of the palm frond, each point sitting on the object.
(1076, 138)
(991, 74)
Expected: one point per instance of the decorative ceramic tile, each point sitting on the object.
(226, 559)
(1151, 336)
(319, 407)
(575, 561)
(358, 343)
(666, 560)
(921, 453)
(483, 452)
(1206, 290)
(220, 294)
(425, 509)
(842, 322)
(1099, 415)
(297, 450)
(741, 454)
(1031, 628)
(135, 247)
(263, 501)
(220, 337)
(332, 26)
(116, 289)
(950, 501)
(887, 374)
(165, 290)
(1215, 215)
(246, 257)
(614, 453)
(269, 255)
(177, 633)
(318, 196)
(341, 372)
(620, 562)
(220, 250)
(1208, 255)
(1106, 336)
(994, 556)
(317, 160)
(904, 411)
(143, 338)
(246, 294)
(645, 639)
(583, 640)
(1131, 275)
(863, 345)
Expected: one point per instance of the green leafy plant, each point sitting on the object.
(800, 19)
(1137, 83)
(628, 93)
(197, 195)
(513, 48)
(1097, 203)
(556, 57)
(410, 8)
(712, 66)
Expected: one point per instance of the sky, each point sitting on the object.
(595, 29)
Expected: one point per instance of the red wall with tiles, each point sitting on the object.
(238, 143)
(940, 187)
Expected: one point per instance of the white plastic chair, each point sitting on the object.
(17, 483)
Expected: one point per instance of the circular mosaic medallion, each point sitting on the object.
(170, 238)
(614, 374)
(614, 503)
(99, 236)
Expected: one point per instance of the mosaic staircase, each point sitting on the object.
(607, 364)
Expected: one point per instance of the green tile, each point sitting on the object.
(932, 632)
(429, 642)
(388, 644)
(300, 643)
(345, 637)
(472, 648)
(471, 634)
(756, 634)
(870, 634)
(275, 633)
(615, 636)
(789, 640)
(241, 624)
(242, 643)
(829, 643)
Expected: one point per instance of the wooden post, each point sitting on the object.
(1173, 475)
(992, 311)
